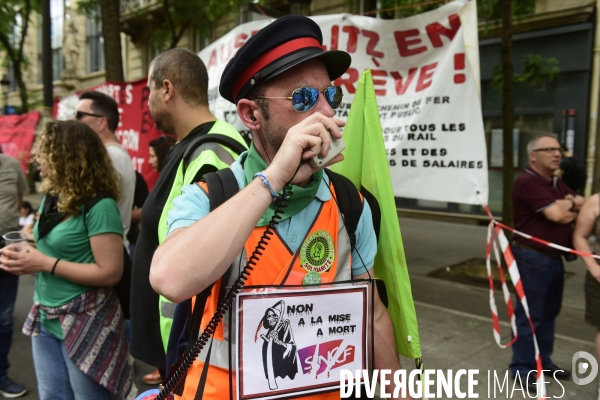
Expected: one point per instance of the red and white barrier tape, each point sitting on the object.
(495, 233)
(533, 238)
(491, 240)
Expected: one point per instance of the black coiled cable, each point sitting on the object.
(237, 286)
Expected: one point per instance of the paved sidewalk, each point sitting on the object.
(455, 340)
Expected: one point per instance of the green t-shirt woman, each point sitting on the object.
(76, 320)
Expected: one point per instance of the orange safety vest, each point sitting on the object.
(276, 266)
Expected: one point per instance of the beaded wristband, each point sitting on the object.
(265, 182)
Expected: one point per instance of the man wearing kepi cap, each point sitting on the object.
(280, 80)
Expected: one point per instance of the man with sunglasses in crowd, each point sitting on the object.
(544, 207)
(280, 80)
(101, 113)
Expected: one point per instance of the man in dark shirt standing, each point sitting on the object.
(544, 207)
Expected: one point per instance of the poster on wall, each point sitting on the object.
(17, 134)
(136, 125)
(425, 71)
(296, 342)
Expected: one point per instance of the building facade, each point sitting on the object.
(563, 30)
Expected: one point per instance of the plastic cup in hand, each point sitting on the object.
(16, 240)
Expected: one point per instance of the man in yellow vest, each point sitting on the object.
(178, 102)
(280, 80)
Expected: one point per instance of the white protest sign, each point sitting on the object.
(293, 342)
(426, 75)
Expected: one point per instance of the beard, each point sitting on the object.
(274, 135)
(272, 132)
(162, 120)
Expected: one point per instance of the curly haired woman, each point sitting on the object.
(76, 322)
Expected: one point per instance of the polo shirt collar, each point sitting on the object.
(552, 182)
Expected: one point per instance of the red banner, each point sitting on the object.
(136, 126)
(17, 133)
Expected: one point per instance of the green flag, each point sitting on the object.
(366, 165)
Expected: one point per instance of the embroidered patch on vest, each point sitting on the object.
(317, 253)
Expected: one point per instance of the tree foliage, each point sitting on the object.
(491, 10)
(180, 15)
(15, 19)
(169, 23)
(487, 10)
(176, 16)
(538, 71)
(391, 9)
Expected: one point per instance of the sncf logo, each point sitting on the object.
(321, 358)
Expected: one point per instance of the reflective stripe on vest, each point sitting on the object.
(274, 266)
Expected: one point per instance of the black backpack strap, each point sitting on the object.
(222, 186)
(49, 216)
(203, 376)
(348, 201)
(375, 210)
(351, 207)
(190, 332)
(90, 203)
(193, 148)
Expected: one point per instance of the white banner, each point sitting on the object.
(294, 342)
(426, 74)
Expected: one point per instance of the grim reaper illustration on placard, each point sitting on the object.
(279, 348)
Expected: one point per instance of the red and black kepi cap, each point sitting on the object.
(281, 45)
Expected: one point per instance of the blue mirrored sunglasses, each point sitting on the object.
(306, 98)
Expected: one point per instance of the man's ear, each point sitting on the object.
(532, 157)
(101, 124)
(169, 89)
(249, 113)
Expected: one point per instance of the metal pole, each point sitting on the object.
(46, 58)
